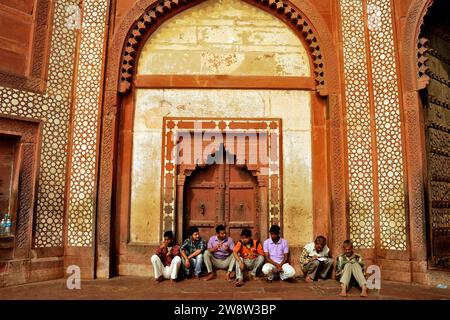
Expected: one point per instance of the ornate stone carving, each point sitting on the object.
(143, 27)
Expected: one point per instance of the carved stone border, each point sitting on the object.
(412, 56)
(143, 26)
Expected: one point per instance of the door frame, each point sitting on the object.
(174, 176)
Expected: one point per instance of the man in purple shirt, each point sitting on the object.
(219, 254)
(276, 250)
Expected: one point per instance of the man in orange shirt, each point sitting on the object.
(249, 254)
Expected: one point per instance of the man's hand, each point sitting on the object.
(216, 248)
(279, 267)
(226, 247)
(187, 263)
(315, 257)
(241, 265)
(162, 245)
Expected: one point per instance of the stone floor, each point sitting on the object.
(138, 288)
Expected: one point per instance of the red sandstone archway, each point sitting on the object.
(414, 131)
(329, 173)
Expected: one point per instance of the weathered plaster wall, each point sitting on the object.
(224, 37)
(292, 106)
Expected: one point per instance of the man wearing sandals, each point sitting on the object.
(249, 254)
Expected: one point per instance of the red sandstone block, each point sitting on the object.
(395, 276)
(3, 267)
(419, 266)
(397, 265)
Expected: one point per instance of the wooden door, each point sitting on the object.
(437, 132)
(241, 198)
(221, 194)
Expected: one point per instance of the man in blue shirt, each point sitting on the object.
(192, 253)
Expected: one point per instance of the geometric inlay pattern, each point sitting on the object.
(388, 127)
(358, 117)
(85, 124)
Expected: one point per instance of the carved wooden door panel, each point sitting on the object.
(221, 194)
(241, 208)
(437, 128)
(204, 194)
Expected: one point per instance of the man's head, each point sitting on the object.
(320, 243)
(168, 238)
(347, 246)
(194, 233)
(221, 232)
(274, 233)
(246, 236)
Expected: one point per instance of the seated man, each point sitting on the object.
(276, 251)
(249, 254)
(315, 257)
(192, 252)
(350, 266)
(166, 261)
(219, 253)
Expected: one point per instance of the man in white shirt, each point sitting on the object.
(276, 250)
(315, 259)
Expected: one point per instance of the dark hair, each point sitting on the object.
(246, 233)
(169, 234)
(274, 229)
(347, 243)
(219, 228)
(192, 230)
(321, 239)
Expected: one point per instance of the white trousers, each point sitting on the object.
(270, 270)
(168, 272)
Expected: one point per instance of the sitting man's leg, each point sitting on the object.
(256, 267)
(345, 279)
(174, 268)
(157, 267)
(311, 270)
(269, 269)
(288, 271)
(198, 265)
(325, 267)
(230, 262)
(359, 276)
(239, 272)
(187, 271)
(207, 258)
(224, 264)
